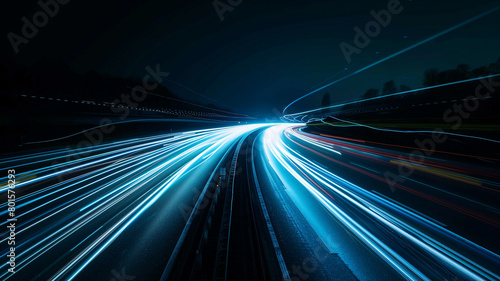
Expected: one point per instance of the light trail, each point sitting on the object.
(82, 205)
(410, 131)
(341, 197)
(299, 114)
(397, 53)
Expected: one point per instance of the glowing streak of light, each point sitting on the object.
(399, 53)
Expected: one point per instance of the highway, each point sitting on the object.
(249, 202)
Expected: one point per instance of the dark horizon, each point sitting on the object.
(239, 61)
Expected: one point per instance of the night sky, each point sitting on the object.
(264, 54)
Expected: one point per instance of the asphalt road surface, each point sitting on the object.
(299, 206)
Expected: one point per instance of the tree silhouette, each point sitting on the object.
(494, 68)
(326, 100)
(463, 69)
(431, 77)
(389, 88)
(404, 88)
(370, 93)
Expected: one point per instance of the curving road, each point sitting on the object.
(250, 202)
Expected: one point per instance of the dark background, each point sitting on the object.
(263, 55)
